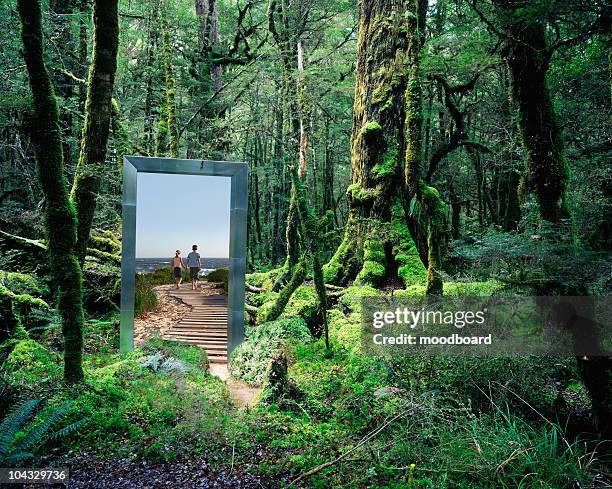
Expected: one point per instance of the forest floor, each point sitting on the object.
(87, 471)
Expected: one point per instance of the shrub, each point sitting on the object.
(145, 300)
(251, 360)
(218, 275)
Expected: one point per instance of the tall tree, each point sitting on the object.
(425, 210)
(170, 90)
(527, 54)
(97, 117)
(377, 144)
(60, 215)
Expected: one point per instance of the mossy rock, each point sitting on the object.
(303, 304)
(251, 360)
(372, 272)
(29, 362)
(352, 296)
(345, 331)
(264, 280)
(21, 283)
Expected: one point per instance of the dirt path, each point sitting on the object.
(243, 395)
(172, 310)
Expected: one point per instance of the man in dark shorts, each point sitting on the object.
(194, 264)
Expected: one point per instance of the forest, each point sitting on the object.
(396, 149)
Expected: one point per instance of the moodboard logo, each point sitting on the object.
(487, 326)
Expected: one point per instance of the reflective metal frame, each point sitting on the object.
(238, 172)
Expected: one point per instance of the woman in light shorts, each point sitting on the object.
(177, 266)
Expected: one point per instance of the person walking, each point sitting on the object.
(177, 266)
(194, 263)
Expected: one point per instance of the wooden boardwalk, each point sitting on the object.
(205, 325)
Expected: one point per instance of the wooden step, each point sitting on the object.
(211, 338)
(199, 327)
(197, 334)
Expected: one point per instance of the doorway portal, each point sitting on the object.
(237, 173)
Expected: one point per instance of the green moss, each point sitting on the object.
(250, 361)
(264, 280)
(272, 310)
(358, 193)
(30, 363)
(24, 300)
(20, 283)
(351, 297)
(345, 331)
(388, 164)
(371, 273)
(373, 270)
(303, 304)
(371, 131)
(486, 288)
(259, 299)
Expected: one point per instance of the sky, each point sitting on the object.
(177, 211)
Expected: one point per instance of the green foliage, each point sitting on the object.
(250, 361)
(219, 275)
(145, 300)
(499, 448)
(264, 280)
(20, 283)
(22, 438)
(303, 304)
(161, 276)
(28, 364)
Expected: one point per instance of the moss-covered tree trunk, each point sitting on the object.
(527, 54)
(60, 215)
(425, 210)
(377, 143)
(170, 90)
(97, 118)
(8, 320)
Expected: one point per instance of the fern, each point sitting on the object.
(36, 436)
(172, 364)
(15, 451)
(67, 430)
(12, 424)
(152, 361)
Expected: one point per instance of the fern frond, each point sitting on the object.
(15, 459)
(35, 437)
(13, 422)
(68, 430)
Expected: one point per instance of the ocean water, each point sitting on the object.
(146, 265)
